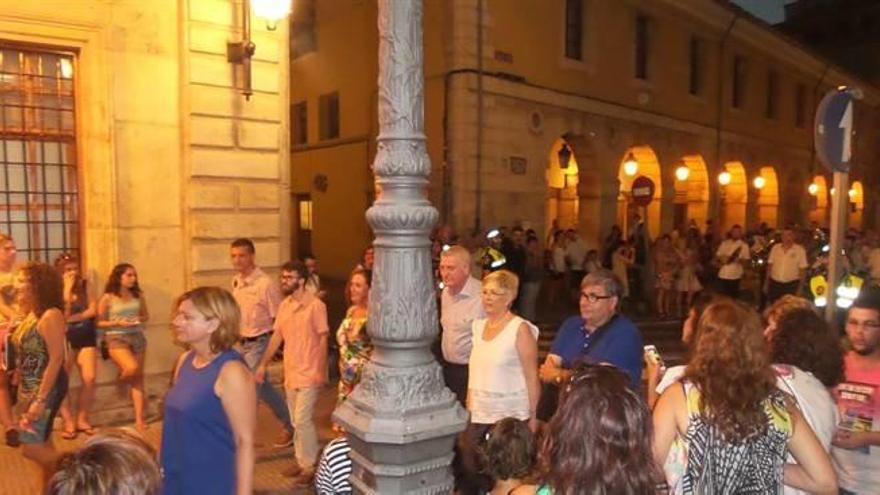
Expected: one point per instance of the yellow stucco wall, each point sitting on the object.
(174, 162)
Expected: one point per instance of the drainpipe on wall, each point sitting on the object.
(720, 115)
(479, 184)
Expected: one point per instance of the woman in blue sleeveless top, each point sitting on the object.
(38, 342)
(210, 411)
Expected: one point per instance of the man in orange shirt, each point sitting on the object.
(301, 324)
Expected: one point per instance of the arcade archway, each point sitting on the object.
(818, 190)
(767, 187)
(639, 161)
(734, 195)
(856, 195)
(691, 191)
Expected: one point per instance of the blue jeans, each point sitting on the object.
(252, 352)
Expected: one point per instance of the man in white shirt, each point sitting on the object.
(787, 268)
(731, 254)
(460, 305)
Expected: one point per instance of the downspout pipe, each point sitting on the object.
(479, 154)
(720, 113)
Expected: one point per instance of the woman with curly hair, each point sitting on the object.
(736, 424)
(808, 361)
(38, 342)
(599, 441)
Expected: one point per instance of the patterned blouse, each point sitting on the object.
(31, 355)
(753, 466)
(354, 352)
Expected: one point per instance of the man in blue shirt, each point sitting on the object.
(598, 335)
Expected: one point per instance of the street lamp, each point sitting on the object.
(241, 52)
(564, 155)
(682, 173)
(813, 189)
(630, 165)
(271, 10)
(724, 178)
(759, 182)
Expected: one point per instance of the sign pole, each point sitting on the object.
(839, 203)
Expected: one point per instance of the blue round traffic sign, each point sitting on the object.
(834, 129)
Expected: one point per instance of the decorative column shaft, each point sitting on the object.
(401, 420)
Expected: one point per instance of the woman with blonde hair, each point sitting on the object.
(736, 425)
(351, 336)
(211, 410)
(502, 372)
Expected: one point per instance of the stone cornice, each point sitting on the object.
(770, 42)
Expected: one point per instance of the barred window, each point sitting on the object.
(39, 198)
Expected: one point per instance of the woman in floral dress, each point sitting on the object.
(354, 343)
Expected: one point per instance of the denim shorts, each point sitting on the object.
(134, 341)
(42, 426)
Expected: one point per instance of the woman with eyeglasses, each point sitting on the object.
(502, 372)
(79, 310)
(736, 425)
(599, 440)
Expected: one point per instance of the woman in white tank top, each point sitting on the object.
(502, 372)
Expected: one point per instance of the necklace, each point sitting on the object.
(199, 362)
(497, 323)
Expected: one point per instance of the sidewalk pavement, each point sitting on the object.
(18, 476)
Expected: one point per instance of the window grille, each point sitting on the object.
(39, 196)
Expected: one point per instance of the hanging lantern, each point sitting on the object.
(564, 155)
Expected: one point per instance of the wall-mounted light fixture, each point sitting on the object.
(813, 189)
(241, 52)
(724, 178)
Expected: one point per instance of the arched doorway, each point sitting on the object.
(818, 190)
(562, 180)
(691, 192)
(734, 195)
(856, 195)
(767, 196)
(639, 161)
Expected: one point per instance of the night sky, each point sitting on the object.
(769, 10)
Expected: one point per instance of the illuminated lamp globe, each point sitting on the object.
(724, 178)
(630, 166)
(682, 173)
(813, 189)
(832, 191)
(271, 10)
(852, 193)
(759, 182)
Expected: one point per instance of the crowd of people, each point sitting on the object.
(766, 403)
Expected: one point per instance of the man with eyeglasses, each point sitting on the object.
(856, 444)
(599, 334)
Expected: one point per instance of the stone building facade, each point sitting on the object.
(666, 84)
(169, 160)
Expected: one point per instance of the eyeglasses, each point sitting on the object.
(593, 297)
